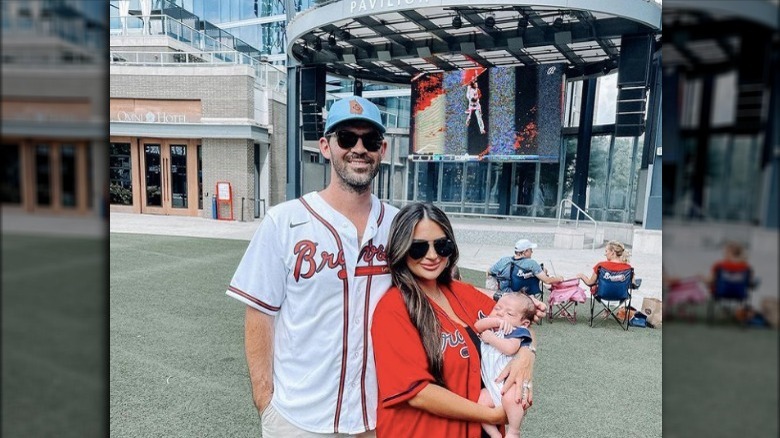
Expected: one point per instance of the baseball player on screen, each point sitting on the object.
(311, 278)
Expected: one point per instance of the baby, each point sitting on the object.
(502, 332)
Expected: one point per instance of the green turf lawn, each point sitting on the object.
(178, 368)
(54, 301)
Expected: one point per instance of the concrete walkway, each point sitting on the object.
(566, 262)
(477, 256)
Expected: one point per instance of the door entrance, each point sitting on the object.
(168, 177)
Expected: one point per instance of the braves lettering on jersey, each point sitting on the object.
(402, 366)
(305, 266)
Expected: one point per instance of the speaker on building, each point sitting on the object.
(634, 65)
(312, 122)
(313, 85)
(752, 84)
(357, 87)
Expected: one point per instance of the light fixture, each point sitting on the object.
(332, 40)
(490, 21)
(345, 35)
(522, 22)
(457, 23)
(558, 23)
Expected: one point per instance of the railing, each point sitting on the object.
(577, 220)
(268, 76)
(160, 24)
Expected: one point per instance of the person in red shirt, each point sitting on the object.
(734, 260)
(617, 260)
(425, 343)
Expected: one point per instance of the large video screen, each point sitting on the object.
(501, 114)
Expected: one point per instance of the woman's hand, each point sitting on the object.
(517, 373)
(541, 309)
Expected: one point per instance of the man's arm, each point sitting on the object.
(547, 279)
(259, 348)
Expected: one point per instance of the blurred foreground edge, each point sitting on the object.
(721, 165)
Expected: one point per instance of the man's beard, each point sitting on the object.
(354, 181)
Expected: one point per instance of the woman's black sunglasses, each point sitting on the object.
(444, 247)
(372, 140)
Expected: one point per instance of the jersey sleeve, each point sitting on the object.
(401, 364)
(259, 280)
(521, 333)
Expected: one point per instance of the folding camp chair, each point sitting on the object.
(683, 296)
(563, 300)
(730, 289)
(613, 292)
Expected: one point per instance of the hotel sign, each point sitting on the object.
(155, 111)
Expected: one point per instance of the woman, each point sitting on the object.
(425, 343)
(617, 260)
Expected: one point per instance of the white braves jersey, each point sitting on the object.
(305, 266)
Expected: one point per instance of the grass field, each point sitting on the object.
(177, 363)
(54, 302)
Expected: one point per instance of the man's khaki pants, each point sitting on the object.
(276, 426)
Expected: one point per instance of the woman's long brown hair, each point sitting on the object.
(420, 310)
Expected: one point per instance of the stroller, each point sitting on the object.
(563, 300)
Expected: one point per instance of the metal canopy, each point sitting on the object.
(396, 44)
(711, 39)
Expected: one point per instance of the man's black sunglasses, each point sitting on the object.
(372, 140)
(444, 247)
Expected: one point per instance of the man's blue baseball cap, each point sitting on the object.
(353, 108)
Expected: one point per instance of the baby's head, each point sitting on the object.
(515, 307)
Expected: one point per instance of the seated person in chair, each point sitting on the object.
(617, 260)
(502, 269)
(734, 260)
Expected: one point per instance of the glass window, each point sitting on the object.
(452, 182)
(68, 175)
(178, 176)
(153, 175)
(42, 175)
(573, 102)
(691, 102)
(742, 186)
(569, 163)
(525, 177)
(597, 175)
(200, 177)
(716, 176)
(606, 100)
(476, 177)
(11, 191)
(547, 190)
(725, 97)
(620, 173)
(120, 174)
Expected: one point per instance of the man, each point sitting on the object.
(311, 278)
(524, 249)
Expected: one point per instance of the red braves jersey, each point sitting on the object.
(402, 367)
(305, 266)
